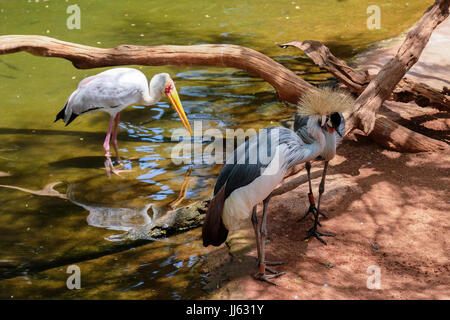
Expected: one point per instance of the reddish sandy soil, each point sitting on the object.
(388, 210)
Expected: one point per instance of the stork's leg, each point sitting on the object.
(313, 231)
(114, 135)
(108, 138)
(108, 163)
(261, 274)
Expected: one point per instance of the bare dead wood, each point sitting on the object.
(422, 94)
(292, 182)
(401, 138)
(356, 81)
(381, 87)
(387, 133)
(289, 87)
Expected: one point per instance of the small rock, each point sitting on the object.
(327, 264)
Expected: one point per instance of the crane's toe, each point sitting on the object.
(267, 277)
(312, 210)
(317, 234)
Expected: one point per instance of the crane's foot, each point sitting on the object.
(273, 271)
(312, 210)
(261, 275)
(317, 234)
(267, 277)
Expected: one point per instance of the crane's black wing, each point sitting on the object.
(239, 171)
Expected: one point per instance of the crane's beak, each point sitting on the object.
(172, 94)
(323, 121)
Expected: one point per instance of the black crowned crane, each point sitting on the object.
(112, 91)
(333, 138)
(255, 169)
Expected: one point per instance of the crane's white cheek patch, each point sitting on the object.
(239, 204)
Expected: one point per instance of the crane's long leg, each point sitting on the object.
(257, 234)
(312, 204)
(310, 194)
(261, 275)
(114, 135)
(313, 231)
(322, 184)
(258, 241)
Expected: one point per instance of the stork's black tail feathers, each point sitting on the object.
(214, 231)
(62, 113)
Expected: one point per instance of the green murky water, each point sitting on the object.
(41, 231)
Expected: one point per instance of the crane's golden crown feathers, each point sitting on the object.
(324, 102)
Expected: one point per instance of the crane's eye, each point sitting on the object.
(335, 119)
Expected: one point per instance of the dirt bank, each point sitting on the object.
(388, 210)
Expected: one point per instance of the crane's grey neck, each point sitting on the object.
(308, 151)
(329, 150)
(316, 132)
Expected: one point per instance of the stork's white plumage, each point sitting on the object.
(113, 90)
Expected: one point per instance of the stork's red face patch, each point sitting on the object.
(168, 88)
(331, 129)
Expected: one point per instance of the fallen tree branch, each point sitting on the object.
(401, 138)
(381, 87)
(289, 87)
(356, 81)
(422, 94)
(387, 133)
(292, 182)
